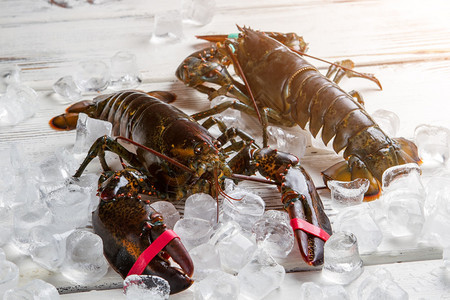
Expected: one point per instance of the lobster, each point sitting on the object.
(279, 86)
(129, 225)
(179, 156)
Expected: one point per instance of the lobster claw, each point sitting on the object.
(179, 279)
(308, 219)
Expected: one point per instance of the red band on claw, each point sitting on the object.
(148, 254)
(297, 223)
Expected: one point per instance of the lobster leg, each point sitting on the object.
(345, 68)
(98, 149)
(272, 115)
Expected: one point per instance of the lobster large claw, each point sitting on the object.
(129, 226)
(299, 196)
(308, 219)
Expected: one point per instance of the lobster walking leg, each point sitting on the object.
(98, 150)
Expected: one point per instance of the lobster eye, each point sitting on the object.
(198, 149)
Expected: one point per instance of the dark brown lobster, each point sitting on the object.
(128, 225)
(178, 156)
(280, 87)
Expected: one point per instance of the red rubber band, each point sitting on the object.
(148, 254)
(307, 227)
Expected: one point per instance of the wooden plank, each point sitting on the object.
(389, 36)
(421, 280)
(406, 45)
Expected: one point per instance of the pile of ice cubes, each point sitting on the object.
(18, 101)
(45, 212)
(96, 75)
(234, 254)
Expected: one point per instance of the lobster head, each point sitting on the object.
(196, 149)
(128, 226)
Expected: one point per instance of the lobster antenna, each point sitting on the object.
(237, 66)
(158, 154)
(251, 178)
(372, 78)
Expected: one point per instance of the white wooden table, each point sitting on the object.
(405, 43)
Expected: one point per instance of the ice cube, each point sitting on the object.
(347, 193)
(27, 193)
(235, 251)
(285, 139)
(48, 248)
(405, 216)
(218, 286)
(168, 211)
(206, 260)
(19, 103)
(380, 285)
(84, 262)
(223, 230)
(335, 292)
(9, 75)
(437, 192)
(199, 12)
(92, 76)
(25, 217)
(261, 275)
(388, 121)
(167, 26)
(9, 274)
(230, 117)
(433, 144)
(124, 71)
(70, 206)
(311, 291)
(357, 220)
(193, 231)
(201, 206)
(142, 287)
(88, 131)
(274, 233)
(88, 183)
(342, 263)
(403, 200)
(6, 222)
(446, 257)
(246, 210)
(436, 230)
(36, 289)
(403, 177)
(57, 167)
(66, 87)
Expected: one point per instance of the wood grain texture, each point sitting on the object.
(406, 44)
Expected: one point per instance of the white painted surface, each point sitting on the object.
(405, 43)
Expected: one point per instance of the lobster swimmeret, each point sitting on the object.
(281, 87)
(175, 157)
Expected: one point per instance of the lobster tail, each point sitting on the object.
(68, 120)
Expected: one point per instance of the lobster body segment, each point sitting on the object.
(290, 91)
